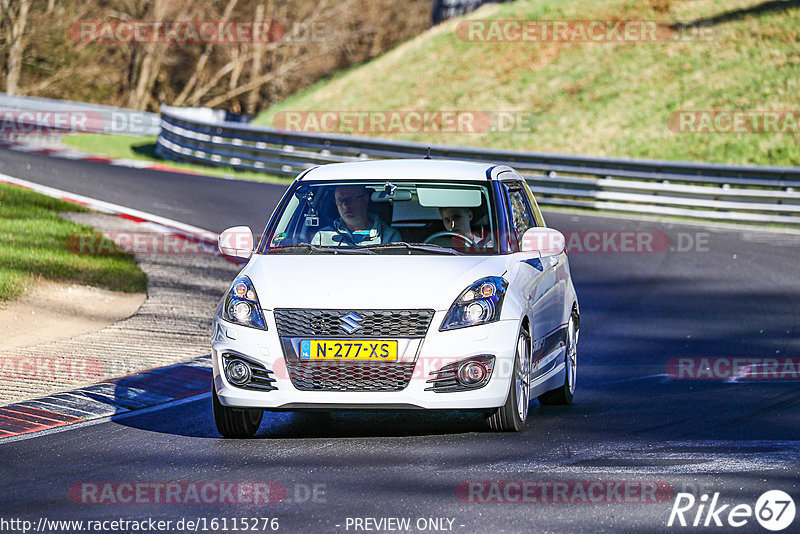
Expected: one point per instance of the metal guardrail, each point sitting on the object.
(443, 10)
(99, 118)
(684, 189)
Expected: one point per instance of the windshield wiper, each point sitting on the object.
(422, 247)
(315, 249)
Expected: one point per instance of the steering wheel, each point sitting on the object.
(467, 241)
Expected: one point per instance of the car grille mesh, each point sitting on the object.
(350, 376)
(374, 323)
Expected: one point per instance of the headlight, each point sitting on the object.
(480, 303)
(241, 305)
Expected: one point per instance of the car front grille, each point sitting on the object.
(373, 323)
(350, 376)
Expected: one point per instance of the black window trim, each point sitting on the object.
(514, 184)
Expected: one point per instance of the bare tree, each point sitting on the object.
(261, 80)
(149, 65)
(233, 81)
(15, 21)
(258, 58)
(35, 58)
(203, 59)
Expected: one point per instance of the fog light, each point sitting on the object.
(471, 373)
(238, 372)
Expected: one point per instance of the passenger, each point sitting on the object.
(355, 225)
(459, 221)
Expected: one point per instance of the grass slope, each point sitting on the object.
(34, 243)
(603, 99)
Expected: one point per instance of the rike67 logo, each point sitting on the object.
(774, 510)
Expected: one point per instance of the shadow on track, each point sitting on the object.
(194, 419)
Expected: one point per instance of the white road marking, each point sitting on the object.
(116, 209)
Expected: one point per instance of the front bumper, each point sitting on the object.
(436, 350)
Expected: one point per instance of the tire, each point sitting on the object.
(235, 423)
(564, 394)
(511, 417)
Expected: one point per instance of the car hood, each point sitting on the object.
(366, 281)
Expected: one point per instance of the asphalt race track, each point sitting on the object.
(634, 424)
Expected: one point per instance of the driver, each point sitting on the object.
(355, 225)
(458, 221)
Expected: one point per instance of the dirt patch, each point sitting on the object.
(53, 311)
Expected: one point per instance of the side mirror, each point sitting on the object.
(545, 241)
(236, 242)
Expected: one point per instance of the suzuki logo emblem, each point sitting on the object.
(351, 322)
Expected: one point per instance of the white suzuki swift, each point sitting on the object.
(392, 285)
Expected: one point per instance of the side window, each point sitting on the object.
(537, 213)
(521, 215)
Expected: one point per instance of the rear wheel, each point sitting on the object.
(512, 415)
(564, 394)
(233, 422)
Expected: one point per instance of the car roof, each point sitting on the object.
(404, 169)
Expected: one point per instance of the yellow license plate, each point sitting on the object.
(348, 349)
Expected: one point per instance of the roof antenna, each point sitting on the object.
(429, 154)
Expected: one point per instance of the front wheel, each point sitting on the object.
(512, 415)
(564, 394)
(235, 423)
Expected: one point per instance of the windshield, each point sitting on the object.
(380, 217)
